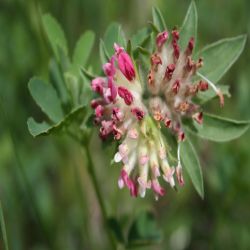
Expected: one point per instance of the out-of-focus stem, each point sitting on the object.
(92, 174)
(3, 227)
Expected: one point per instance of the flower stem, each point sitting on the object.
(92, 174)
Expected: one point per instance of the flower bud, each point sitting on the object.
(161, 39)
(125, 63)
(126, 95)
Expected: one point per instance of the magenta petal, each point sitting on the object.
(126, 95)
(157, 188)
(109, 68)
(126, 66)
(113, 89)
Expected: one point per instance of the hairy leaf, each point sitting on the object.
(139, 37)
(189, 26)
(220, 56)
(191, 163)
(158, 20)
(111, 36)
(83, 48)
(46, 98)
(121, 37)
(103, 52)
(36, 128)
(218, 129)
(57, 80)
(43, 128)
(87, 74)
(55, 35)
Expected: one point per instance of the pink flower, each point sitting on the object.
(176, 35)
(132, 133)
(97, 85)
(110, 93)
(139, 114)
(176, 86)
(179, 175)
(169, 71)
(125, 63)
(144, 159)
(99, 111)
(95, 102)
(122, 155)
(117, 132)
(190, 46)
(106, 129)
(155, 60)
(109, 68)
(167, 122)
(126, 95)
(198, 117)
(181, 136)
(125, 180)
(176, 48)
(169, 176)
(203, 86)
(161, 39)
(117, 114)
(157, 188)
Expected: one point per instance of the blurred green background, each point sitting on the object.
(47, 197)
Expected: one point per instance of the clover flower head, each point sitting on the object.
(156, 86)
(122, 112)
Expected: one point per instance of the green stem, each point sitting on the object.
(92, 174)
(82, 203)
(6, 247)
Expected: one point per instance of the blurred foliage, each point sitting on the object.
(46, 194)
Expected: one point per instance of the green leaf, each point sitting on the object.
(87, 74)
(205, 96)
(55, 34)
(3, 229)
(74, 85)
(217, 129)
(144, 230)
(192, 165)
(129, 47)
(158, 20)
(36, 128)
(111, 36)
(189, 26)
(220, 56)
(153, 28)
(103, 52)
(139, 37)
(143, 51)
(83, 48)
(40, 129)
(121, 38)
(46, 98)
(58, 82)
(87, 93)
